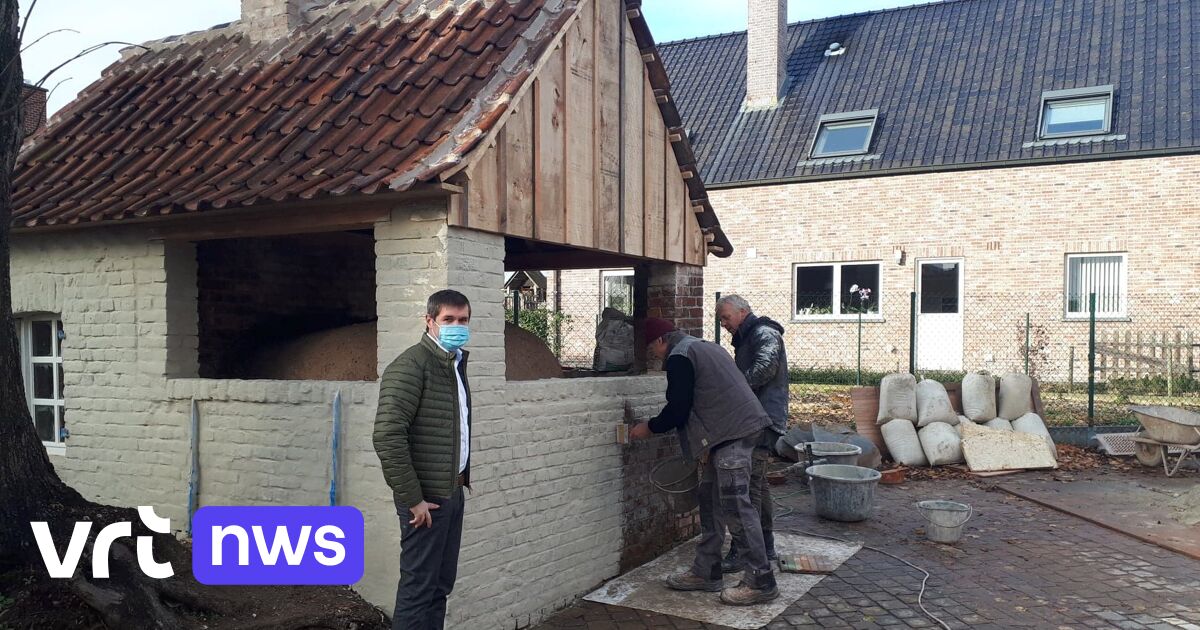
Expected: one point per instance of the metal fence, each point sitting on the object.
(1092, 355)
(1090, 362)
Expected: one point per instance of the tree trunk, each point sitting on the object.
(28, 483)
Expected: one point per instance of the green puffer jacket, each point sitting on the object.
(417, 425)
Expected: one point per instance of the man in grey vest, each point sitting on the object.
(720, 422)
(760, 355)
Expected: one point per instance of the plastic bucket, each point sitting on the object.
(678, 479)
(945, 519)
(831, 452)
(843, 493)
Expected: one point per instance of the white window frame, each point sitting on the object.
(869, 116)
(837, 315)
(1123, 288)
(1098, 93)
(605, 274)
(25, 342)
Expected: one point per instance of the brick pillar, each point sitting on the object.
(676, 293)
(766, 68)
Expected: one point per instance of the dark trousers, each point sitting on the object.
(760, 498)
(428, 565)
(724, 496)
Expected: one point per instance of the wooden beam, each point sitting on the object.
(550, 150)
(579, 172)
(633, 139)
(607, 92)
(258, 224)
(519, 170)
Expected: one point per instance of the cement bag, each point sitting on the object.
(903, 443)
(1000, 424)
(933, 404)
(979, 397)
(1016, 392)
(941, 444)
(614, 342)
(897, 398)
(1032, 423)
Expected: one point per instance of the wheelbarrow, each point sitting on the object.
(1166, 430)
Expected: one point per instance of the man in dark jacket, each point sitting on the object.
(761, 357)
(720, 422)
(422, 437)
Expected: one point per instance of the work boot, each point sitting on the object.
(689, 581)
(746, 595)
(732, 562)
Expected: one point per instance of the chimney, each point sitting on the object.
(33, 109)
(766, 69)
(272, 19)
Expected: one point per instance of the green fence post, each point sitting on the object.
(516, 307)
(1071, 372)
(858, 376)
(717, 320)
(912, 333)
(1026, 344)
(1092, 360)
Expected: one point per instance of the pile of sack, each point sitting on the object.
(921, 427)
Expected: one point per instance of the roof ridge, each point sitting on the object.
(907, 7)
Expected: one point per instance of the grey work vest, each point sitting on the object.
(724, 407)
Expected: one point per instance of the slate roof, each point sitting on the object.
(958, 84)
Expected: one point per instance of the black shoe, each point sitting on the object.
(731, 563)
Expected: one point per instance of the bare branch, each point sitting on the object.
(61, 30)
(84, 53)
(25, 22)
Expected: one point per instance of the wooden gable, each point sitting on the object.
(584, 157)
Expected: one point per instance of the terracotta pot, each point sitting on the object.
(777, 477)
(892, 477)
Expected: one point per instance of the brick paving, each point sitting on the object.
(1019, 566)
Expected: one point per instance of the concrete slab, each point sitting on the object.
(1147, 508)
(643, 588)
(991, 449)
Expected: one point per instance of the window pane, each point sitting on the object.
(814, 290)
(43, 420)
(939, 288)
(1095, 274)
(1075, 117)
(43, 342)
(618, 293)
(43, 380)
(866, 277)
(843, 137)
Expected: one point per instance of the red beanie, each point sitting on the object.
(656, 328)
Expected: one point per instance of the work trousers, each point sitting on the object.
(428, 564)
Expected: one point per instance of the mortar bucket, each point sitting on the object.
(946, 520)
(678, 479)
(843, 493)
(831, 452)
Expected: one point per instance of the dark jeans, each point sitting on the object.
(724, 496)
(760, 498)
(428, 565)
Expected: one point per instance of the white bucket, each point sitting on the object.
(945, 520)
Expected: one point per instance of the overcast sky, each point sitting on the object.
(137, 21)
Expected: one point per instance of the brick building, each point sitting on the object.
(1000, 158)
(219, 246)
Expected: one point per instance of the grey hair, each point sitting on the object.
(736, 301)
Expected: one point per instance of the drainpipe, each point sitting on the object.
(337, 432)
(194, 477)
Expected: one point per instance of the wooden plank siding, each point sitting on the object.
(585, 158)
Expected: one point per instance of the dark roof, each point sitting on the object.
(957, 84)
(369, 97)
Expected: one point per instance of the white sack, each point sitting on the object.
(933, 404)
(903, 443)
(1032, 424)
(897, 398)
(1016, 392)
(941, 444)
(979, 396)
(1000, 424)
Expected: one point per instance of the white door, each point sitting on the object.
(939, 315)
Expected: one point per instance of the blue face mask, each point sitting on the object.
(453, 336)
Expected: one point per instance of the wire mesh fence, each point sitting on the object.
(1092, 356)
(1090, 363)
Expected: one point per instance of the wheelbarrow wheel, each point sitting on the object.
(1147, 454)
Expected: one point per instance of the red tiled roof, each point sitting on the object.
(371, 96)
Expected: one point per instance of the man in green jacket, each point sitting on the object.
(422, 437)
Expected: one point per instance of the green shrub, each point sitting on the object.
(544, 323)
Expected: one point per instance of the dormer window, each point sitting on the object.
(848, 133)
(1078, 112)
